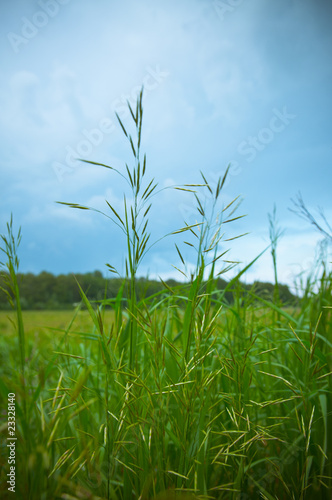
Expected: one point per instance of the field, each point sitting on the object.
(47, 323)
(177, 395)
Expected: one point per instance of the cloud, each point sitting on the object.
(37, 115)
(221, 79)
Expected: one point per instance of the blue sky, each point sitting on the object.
(240, 82)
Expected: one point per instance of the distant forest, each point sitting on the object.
(46, 291)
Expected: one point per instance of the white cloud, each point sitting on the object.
(296, 253)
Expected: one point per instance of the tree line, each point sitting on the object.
(46, 291)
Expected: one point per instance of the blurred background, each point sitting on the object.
(246, 83)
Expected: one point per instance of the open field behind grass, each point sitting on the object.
(46, 323)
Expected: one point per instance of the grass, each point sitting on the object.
(172, 396)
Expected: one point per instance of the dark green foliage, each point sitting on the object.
(47, 291)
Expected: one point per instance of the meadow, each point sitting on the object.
(173, 395)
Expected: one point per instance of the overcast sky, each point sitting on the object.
(242, 82)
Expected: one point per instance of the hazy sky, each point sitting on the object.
(242, 82)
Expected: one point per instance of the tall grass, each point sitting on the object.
(182, 395)
(10, 244)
